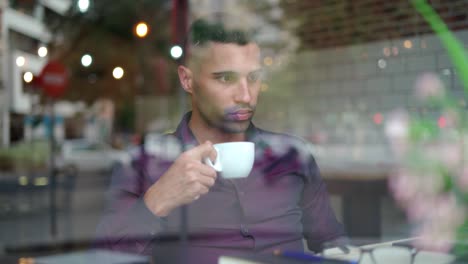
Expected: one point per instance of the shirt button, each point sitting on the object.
(244, 230)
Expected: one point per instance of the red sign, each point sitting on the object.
(54, 79)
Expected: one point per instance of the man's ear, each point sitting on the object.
(186, 78)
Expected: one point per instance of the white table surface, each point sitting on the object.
(392, 256)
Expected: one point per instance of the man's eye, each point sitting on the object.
(253, 77)
(227, 78)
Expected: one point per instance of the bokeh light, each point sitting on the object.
(20, 61)
(41, 181)
(83, 5)
(86, 60)
(408, 44)
(442, 122)
(268, 61)
(176, 52)
(118, 73)
(42, 51)
(387, 52)
(23, 180)
(378, 118)
(382, 63)
(141, 29)
(28, 77)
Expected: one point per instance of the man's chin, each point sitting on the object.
(236, 127)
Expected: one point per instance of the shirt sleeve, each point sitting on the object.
(127, 224)
(319, 220)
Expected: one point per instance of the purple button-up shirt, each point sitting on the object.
(282, 200)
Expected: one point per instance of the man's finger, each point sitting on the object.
(206, 170)
(206, 181)
(202, 151)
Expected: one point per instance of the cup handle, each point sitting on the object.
(217, 165)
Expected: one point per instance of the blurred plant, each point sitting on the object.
(25, 156)
(431, 183)
(430, 153)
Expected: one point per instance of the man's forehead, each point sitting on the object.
(228, 56)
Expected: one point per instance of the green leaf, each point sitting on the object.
(448, 181)
(423, 129)
(461, 246)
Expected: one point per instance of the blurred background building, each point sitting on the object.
(25, 39)
(357, 62)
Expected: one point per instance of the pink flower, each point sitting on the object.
(449, 214)
(432, 240)
(403, 186)
(449, 153)
(451, 118)
(419, 208)
(462, 179)
(408, 188)
(439, 227)
(430, 184)
(429, 85)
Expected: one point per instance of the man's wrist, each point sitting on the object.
(155, 204)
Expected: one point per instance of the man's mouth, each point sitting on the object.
(240, 115)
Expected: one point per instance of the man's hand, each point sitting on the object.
(185, 181)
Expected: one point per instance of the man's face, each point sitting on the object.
(226, 85)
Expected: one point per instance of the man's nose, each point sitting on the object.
(243, 92)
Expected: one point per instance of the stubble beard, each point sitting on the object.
(225, 125)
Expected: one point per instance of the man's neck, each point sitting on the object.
(204, 132)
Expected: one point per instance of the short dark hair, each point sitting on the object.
(219, 27)
(203, 31)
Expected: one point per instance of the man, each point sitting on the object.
(282, 201)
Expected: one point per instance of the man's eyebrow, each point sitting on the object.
(222, 73)
(260, 70)
(256, 71)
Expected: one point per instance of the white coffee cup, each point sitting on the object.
(234, 159)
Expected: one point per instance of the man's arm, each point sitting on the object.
(319, 220)
(137, 207)
(127, 224)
